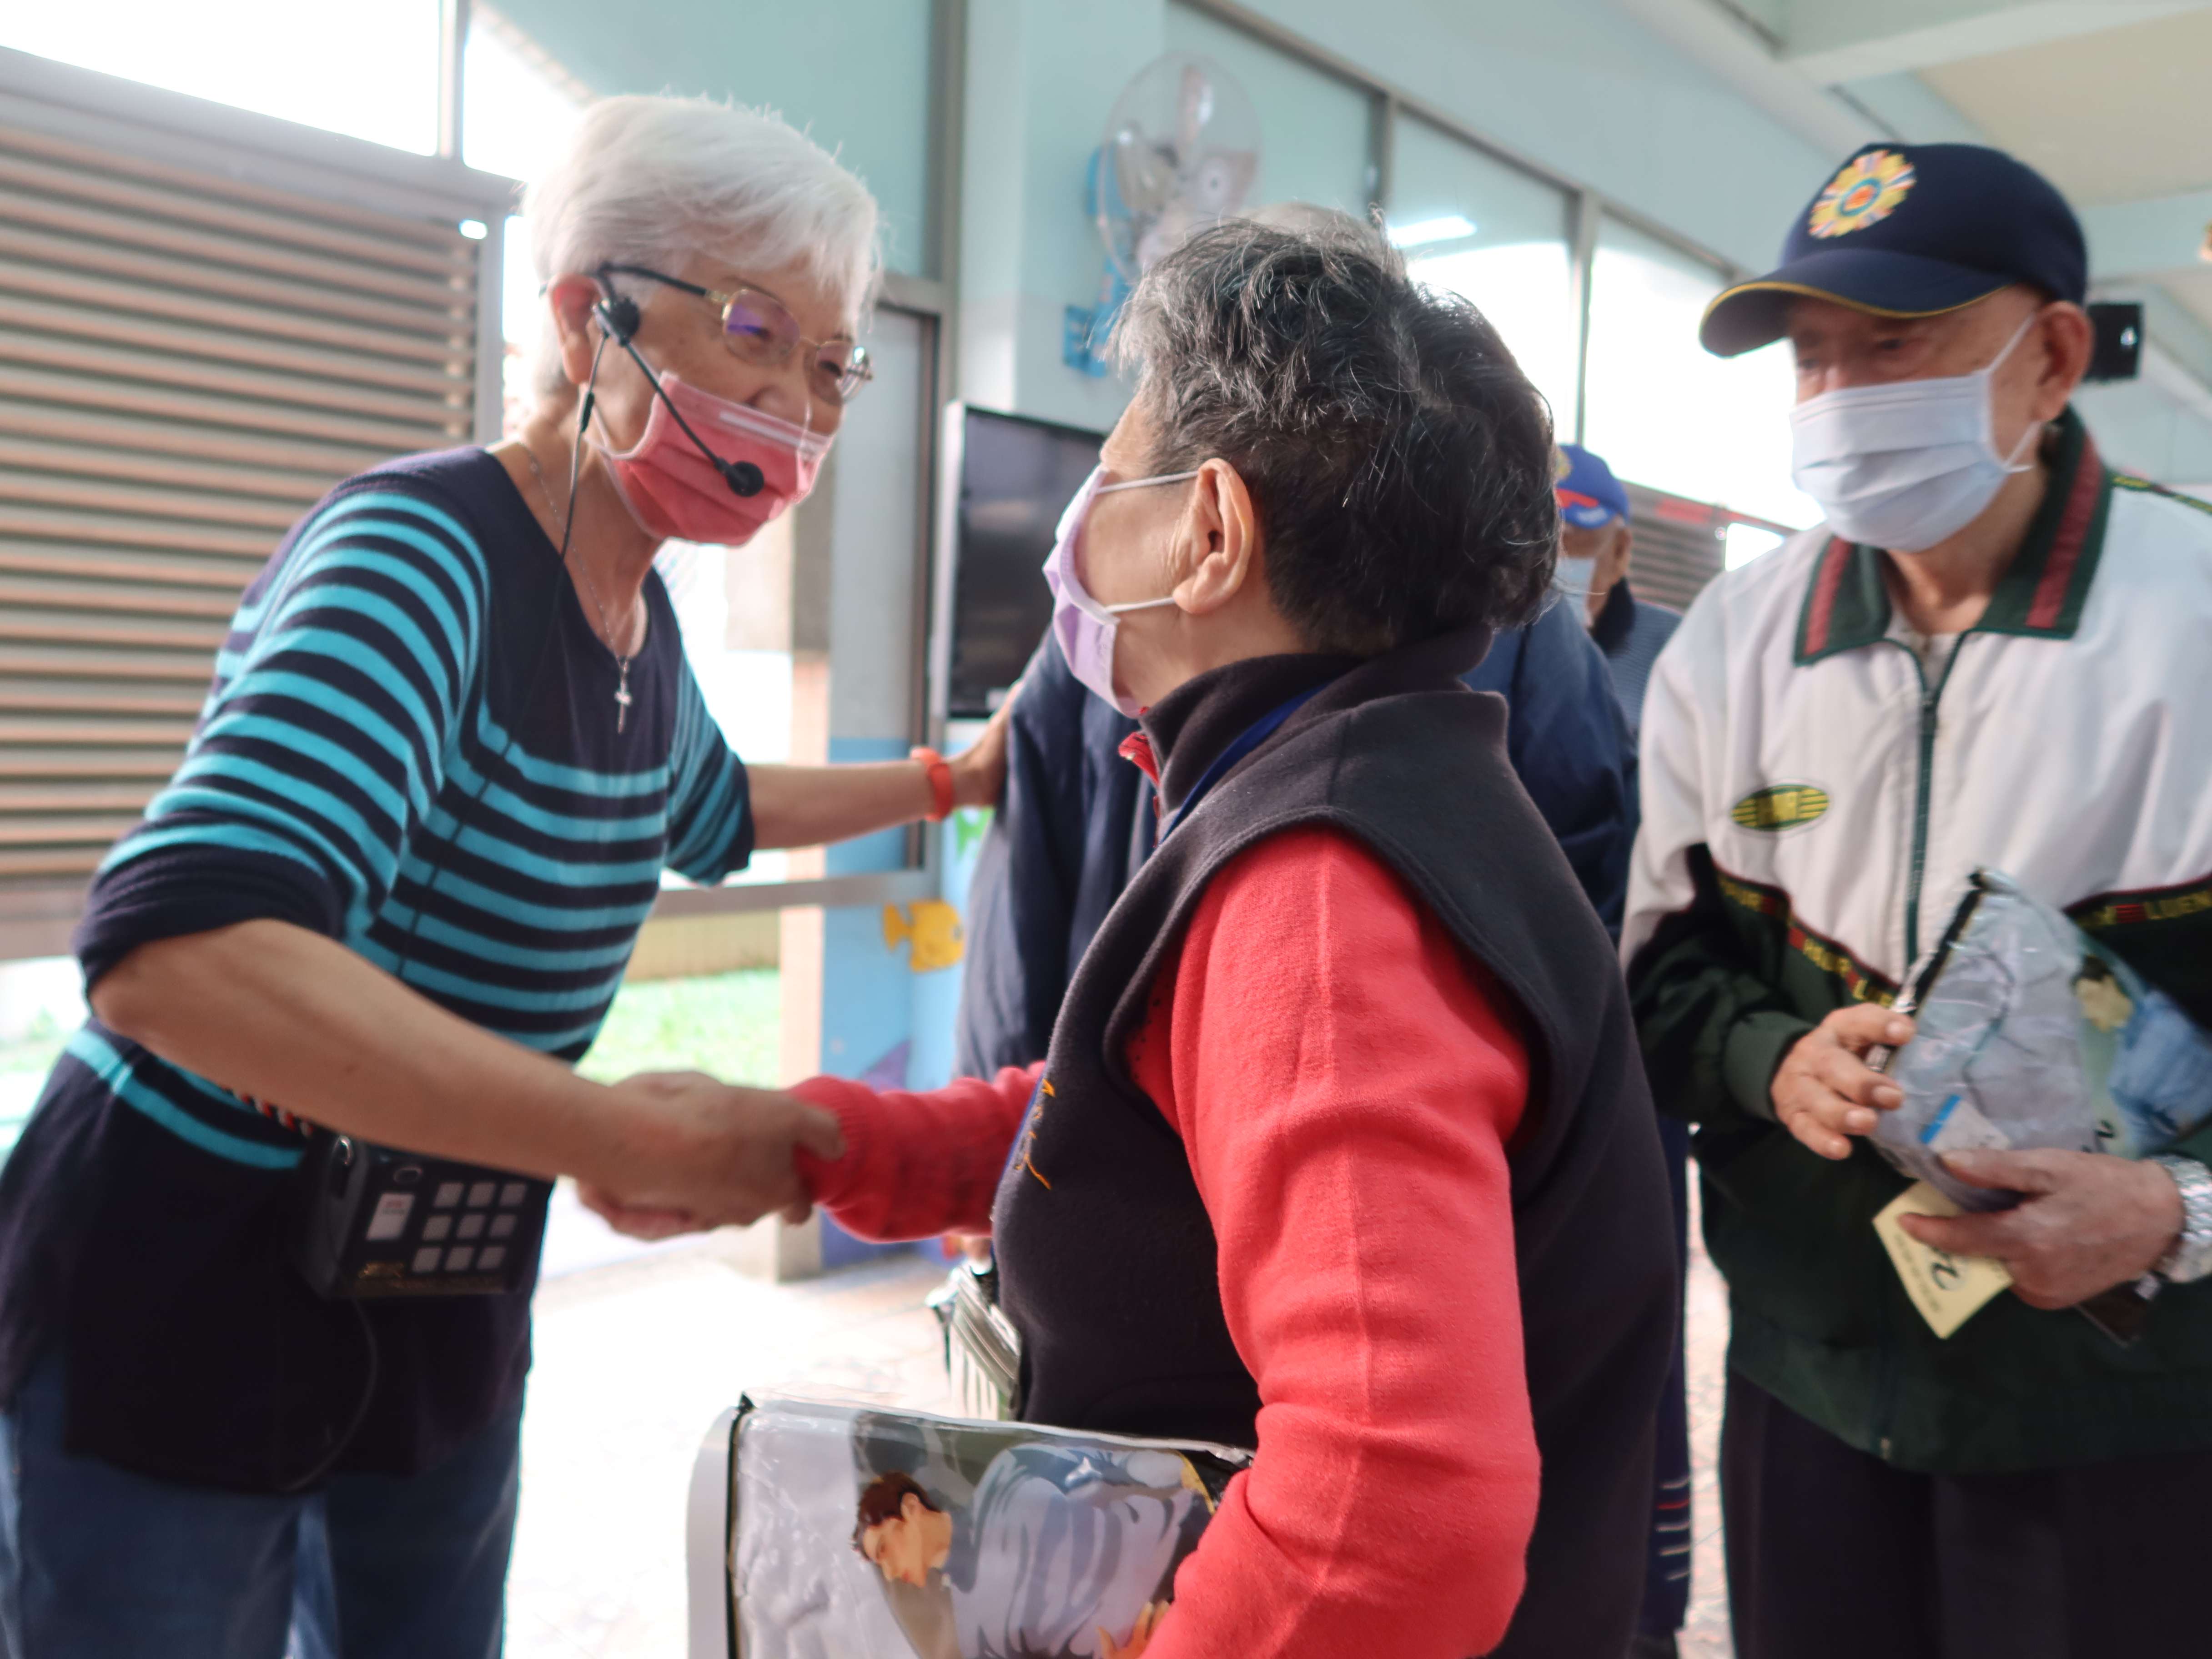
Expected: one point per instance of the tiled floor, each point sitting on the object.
(634, 1361)
(636, 1358)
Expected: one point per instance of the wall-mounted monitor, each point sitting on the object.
(1012, 477)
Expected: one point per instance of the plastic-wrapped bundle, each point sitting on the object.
(2033, 1035)
(864, 1534)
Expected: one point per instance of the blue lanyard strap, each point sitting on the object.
(1252, 737)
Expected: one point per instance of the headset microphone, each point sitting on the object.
(618, 314)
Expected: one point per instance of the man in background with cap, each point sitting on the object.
(1595, 543)
(1994, 652)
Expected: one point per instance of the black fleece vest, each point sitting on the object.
(1106, 1257)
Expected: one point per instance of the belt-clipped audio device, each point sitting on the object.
(380, 1222)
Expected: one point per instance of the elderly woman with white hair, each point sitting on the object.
(451, 743)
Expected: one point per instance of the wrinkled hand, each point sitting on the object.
(2089, 1221)
(1140, 1633)
(978, 771)
(1824, 1091)
(696, 1153)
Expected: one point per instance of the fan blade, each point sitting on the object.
(1196, 109)
(1145, 176)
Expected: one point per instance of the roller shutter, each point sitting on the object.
(189, 358)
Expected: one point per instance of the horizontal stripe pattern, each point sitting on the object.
(374, 729)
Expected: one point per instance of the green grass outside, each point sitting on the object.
(23, 1067)
(728, 1026)
(37, 1048)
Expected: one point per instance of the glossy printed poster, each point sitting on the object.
(872, 1535)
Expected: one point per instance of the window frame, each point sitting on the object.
(1587, 204)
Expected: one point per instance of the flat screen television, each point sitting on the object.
(1016, 477)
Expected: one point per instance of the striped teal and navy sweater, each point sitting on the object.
(376, 761)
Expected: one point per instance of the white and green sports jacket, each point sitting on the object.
(1813, 802)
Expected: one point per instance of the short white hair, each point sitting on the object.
(651, 180)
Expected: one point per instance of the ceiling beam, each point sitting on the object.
(1831, 43)
(2136, 239)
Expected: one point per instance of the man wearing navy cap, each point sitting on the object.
(1992, 654)
(1595, 543)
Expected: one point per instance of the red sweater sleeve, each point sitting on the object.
(916, 1164)
(1346, 1084)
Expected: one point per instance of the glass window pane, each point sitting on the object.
(1665, 412)
(1470, 223)
(322, 65)
(1314, 128)
(518, 109)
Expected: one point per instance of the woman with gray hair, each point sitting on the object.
(1342, 1150)
(451, 743)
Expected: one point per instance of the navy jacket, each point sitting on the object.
(1077, 821)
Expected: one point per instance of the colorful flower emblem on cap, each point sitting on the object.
(1865, 191)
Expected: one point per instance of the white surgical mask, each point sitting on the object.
(1904, 465)
(1084, 628)
(1573, 576)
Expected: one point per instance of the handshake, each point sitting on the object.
(686, 1153)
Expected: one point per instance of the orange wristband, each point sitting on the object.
(940, 780)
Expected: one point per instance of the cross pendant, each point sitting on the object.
(623, 699)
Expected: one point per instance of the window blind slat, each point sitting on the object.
(209, 212)
(90, 432)
(447, 353)
(56, 702)
(78, 728)
(345, 280)
(290, 208)
(180, 534)
(78, 459)
(25, 625)
(87, 361)
(145, 334)
(446, 311)
(136, 599)
(190, 412)
(24, 488)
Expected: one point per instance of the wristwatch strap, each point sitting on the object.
(940, 780)
(2190, 1258)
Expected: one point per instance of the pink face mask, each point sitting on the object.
(1084, 628)
(673, 490)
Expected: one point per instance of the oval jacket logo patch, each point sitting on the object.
(1780, 806)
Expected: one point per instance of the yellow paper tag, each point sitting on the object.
(1949, 1290)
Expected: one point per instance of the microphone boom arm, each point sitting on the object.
(743, 479)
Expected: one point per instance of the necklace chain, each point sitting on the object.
(623, 698)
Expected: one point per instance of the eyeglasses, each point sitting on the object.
(760, 329)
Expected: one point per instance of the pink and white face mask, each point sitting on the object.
(673, 490)
(1084, 629)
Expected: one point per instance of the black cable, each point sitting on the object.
(467, 815)
(328, 1462)
(742, 477)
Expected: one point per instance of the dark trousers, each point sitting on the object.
(98, 1563)
(1667, 1562)
(1832, 1551)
